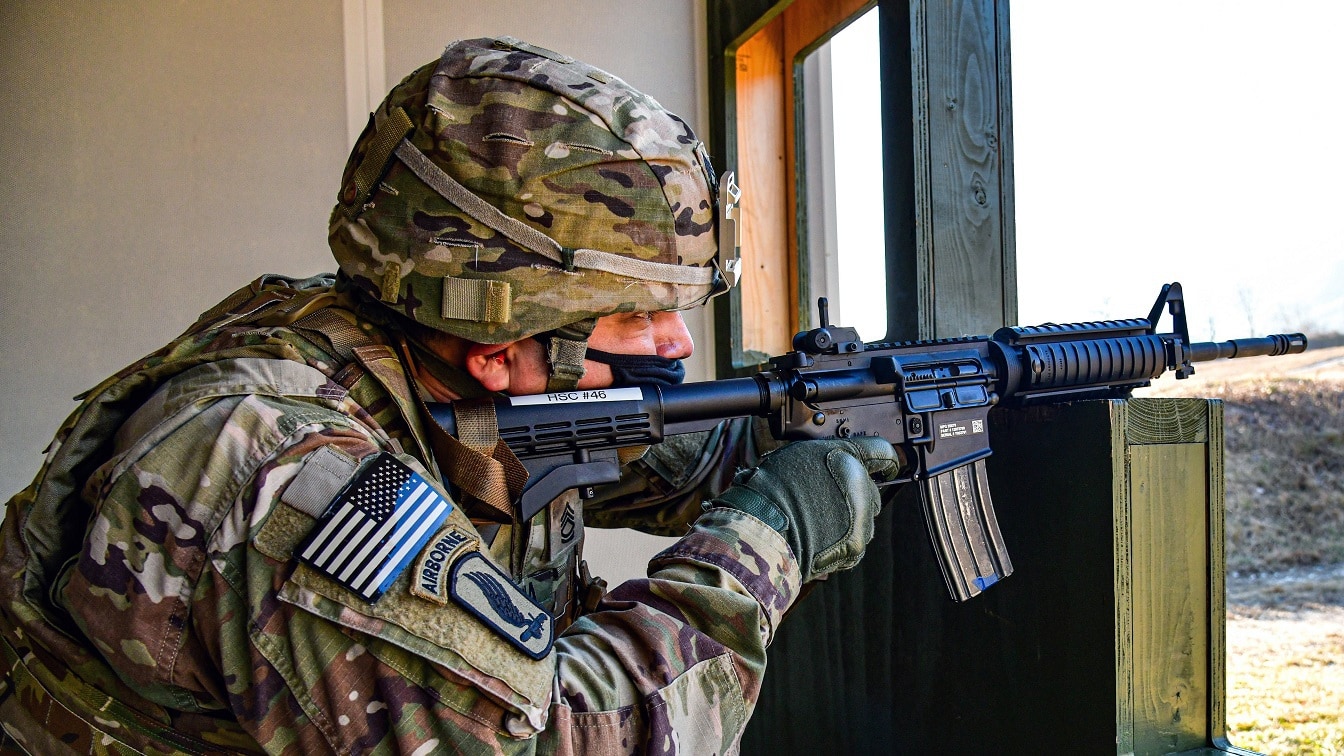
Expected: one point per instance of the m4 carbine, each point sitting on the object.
(931, 398)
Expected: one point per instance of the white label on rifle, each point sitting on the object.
(577, 397)
(951, 430)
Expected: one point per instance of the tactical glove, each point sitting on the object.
(820, 496)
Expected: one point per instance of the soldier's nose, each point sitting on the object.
(672, 337)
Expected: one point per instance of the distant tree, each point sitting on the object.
(1247, 300)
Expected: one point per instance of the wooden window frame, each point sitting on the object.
(757, 81)
(946, 167)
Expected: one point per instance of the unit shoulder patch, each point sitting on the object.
(478, 586)
(374, 526)
(430, 580)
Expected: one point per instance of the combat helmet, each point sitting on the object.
(506, 191)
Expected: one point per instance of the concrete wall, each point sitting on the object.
(157, 154)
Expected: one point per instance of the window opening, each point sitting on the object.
(845, 224)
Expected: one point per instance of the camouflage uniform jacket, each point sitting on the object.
(151, 601)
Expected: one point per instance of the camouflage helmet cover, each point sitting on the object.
(506, 190)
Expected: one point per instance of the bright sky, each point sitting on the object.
(1187, 140)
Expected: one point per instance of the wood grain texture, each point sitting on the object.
(767, 321)
(730, 23)
(1007, 195)
(1169, 499)
(810, 22)
(921, 145)
(957, 95)
(947, 157)
(948, 162)
(1217, 578)
(807, 23)
(1122, 537)
(767, 75)
(904, 217)
(1107, 636)
(1157, 421)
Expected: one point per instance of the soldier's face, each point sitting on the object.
(660, 333)
(520, 368)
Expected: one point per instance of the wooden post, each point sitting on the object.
(1109, 634)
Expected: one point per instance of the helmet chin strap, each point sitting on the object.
(565, 350)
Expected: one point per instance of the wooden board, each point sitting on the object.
(767, 310)
(963, 194)
(946, 159)
(807, 25)
(1170, 599)
(768, 164)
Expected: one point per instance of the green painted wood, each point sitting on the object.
(963, 195)
(1168, 498)
(1007, 194)
(1217, 582)
(1107, 638)
(906, 313)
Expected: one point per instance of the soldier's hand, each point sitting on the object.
(820, 495)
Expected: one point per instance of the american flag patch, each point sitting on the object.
(374, 527)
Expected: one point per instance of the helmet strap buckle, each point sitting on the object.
(565, 350)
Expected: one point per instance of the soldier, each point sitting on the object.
(257, 540)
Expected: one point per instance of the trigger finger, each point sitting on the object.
(877, 454)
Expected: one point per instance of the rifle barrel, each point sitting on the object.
(732, 397)
(1272, 345)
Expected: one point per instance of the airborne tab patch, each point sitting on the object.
(482, 589)
(430, 580)
(374, 526)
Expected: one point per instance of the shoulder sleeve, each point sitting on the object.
(675, 662)
(168, 509)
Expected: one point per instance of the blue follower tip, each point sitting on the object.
(985, 582)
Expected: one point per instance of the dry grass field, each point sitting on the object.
(1285, 549)
(1285, 661)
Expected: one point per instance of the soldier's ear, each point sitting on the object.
(489, 365)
